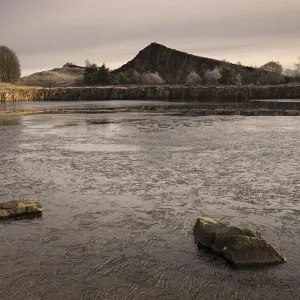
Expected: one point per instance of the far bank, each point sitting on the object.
(199, 93)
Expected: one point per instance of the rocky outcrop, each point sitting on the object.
(199, 93)
(237, 245)
(174, 66)
(20, 208)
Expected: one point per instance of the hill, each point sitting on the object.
(174, 66)
(68, 75)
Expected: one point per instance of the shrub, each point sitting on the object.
(238, 79)
(228, 76)
(151, 78)
(123, 78)
(212, 76)
(69, 65)
(103, 75)
(90, 73)
(133, 76)
(193, 78)
(94, 75)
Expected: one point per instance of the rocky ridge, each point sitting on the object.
(174, 66)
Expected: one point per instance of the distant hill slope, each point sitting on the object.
(174, 66)
(68, 75)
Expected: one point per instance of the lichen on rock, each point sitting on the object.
(20, 208)
(239, 246)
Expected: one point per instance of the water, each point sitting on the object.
(278, 100)
(121, 193)
(85, 104)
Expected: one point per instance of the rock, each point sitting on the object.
(20, 208)
(239, 246)
(248, 250)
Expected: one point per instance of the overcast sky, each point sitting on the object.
(48, 33)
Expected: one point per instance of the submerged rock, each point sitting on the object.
(20, 208)
(239, 246)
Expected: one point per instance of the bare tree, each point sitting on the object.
(238, 79)
(289, 72)
(275, 70)
(297, 66)
(193, 78)
(293, 72)
(273, 67)
(10, 69)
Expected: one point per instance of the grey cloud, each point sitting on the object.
(45, 33)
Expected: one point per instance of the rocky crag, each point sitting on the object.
(174, 66)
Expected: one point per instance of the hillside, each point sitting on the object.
(174, 66)
(68, 75)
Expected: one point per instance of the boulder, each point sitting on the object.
(20, 208)
(239, 246)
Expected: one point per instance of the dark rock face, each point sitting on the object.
(20, 208)
(174, 66)
(237, 245)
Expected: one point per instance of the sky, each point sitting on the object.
(46, 34)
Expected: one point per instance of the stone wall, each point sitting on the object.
(236, 94)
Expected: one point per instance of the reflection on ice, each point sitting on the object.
(101, 147)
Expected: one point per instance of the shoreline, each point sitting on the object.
(163, 111)
(238, 94)
(199, 99)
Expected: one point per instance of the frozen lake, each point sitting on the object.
(121, 193)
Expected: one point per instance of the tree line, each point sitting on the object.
(95, 75)
(269, 73)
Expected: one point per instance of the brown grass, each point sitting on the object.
(294, 83)
(59, 77)
(6, 85)
(10, 86)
